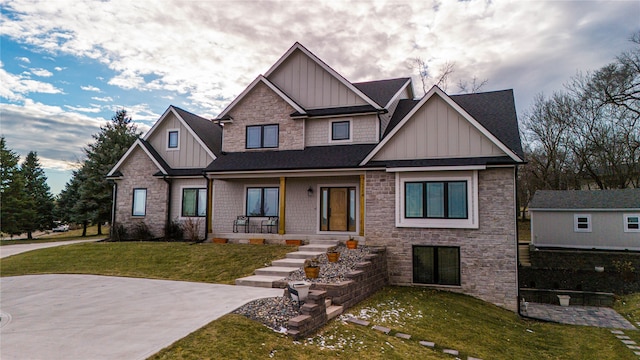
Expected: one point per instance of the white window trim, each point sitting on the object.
(350, 139)
(575, 222)
(167, 143)
(471, 177)
(182, 188)
(626, 222)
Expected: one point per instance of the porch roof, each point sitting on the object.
(316, 157)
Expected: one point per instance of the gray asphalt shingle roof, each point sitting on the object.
(209, 132)
(381, 91)
(586, 199)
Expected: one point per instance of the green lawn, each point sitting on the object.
(155, 260)
(460, 322)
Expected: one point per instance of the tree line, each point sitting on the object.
(26, 201)
(587, 136)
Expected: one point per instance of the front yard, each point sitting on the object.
(473, 327)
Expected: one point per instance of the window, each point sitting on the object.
(436, 265)
(194, 202)
(340, 130)
(262, 201)
(436, 199)
(582, 222)
(262, 136)
(631, 222)
(139, 202)
(173, 138)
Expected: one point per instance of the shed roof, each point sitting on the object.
(586, 199)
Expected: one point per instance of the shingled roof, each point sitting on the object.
(209, 132)
(381, 91)
(316, 157)
(628, 199)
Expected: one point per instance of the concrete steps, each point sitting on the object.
(323, 246)
(333, 310)
(282, 271)
(523, 254)
(265, 281)
(289, 262)
(304, 254)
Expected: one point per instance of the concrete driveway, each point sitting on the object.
(9, 250)
(101, 317)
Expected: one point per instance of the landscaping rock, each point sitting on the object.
(427, 343)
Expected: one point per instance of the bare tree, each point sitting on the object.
(427, 78)
(471, 87)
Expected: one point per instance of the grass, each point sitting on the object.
(212, 263)
(92, 233)
(454, 321)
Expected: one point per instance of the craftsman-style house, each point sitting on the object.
(306, 154)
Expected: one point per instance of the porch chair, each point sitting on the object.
(241, 222)
(270, 223)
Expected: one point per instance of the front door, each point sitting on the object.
(337, 209)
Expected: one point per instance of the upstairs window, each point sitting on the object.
(262, 136)
(582, 222)
(173, 139)
(262, 201)
(631, 222)
(194, 202)
(340, 130)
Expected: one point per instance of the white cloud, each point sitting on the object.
(14, 87)
(83, 109)
(41, 72)
(58, 68)
(103, 99)
(90, 88)
(24, 59)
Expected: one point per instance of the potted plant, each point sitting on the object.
(352, 243)
(311, 268)
(293, 242)
(333, 255)
(220, 240)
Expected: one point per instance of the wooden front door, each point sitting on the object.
(338, 209)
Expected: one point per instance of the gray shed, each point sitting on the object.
(597, 219)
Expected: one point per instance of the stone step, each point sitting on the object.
(289, 262)
(327, 302)
(282, 271)
(334, 311)
(316, 247)
(323, 242)
(264, 281)
(304, 254)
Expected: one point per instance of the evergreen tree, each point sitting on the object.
(110, 145)
(12, 192)
(38, 205)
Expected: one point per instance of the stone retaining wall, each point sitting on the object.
(368, 277)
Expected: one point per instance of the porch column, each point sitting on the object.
(362, 205)
(282, 205)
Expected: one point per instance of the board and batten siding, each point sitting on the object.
(190, 154)
(556, 229)
(437, 131)
(310, 85)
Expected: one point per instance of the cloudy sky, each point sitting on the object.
(66, 66)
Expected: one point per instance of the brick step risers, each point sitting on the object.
(282, 271)
(304, 254)
(292, 263)
(258, 281)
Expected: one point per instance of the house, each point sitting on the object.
(160, 177)
(319, 157)
(580, 219)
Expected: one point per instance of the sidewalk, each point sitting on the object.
(9, 250)
(578, 315)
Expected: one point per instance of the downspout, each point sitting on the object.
(515, 193)
(113, 208)
(168, 220)
(207, 217)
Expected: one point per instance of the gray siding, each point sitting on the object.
(437, 131)
(190, 153)
(556, 229)
(363, 128)
(310, 85)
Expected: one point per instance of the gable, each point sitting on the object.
(311, 84)
(190, 152)
(139, 148)
(437, 130)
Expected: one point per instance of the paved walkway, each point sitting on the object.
(578, 315)
(101, 317)
(9, 250)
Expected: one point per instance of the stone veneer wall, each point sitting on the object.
(138, 173)
(263, 106)
(488, 255)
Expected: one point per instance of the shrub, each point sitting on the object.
(119, 233)
(174, 231)
(191, 229)
(141, 232)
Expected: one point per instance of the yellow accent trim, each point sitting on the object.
(361, 205)
(282, 205)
